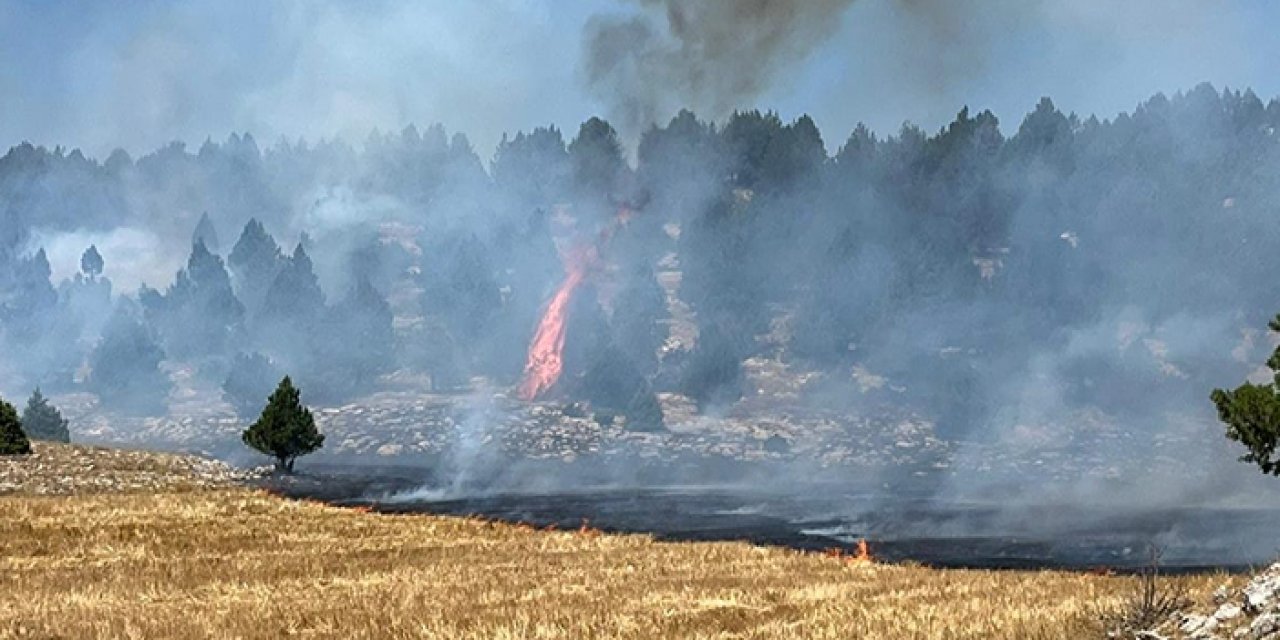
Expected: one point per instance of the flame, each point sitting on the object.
(864, 553)
(546, 352)
(587, 530)
(861, 556)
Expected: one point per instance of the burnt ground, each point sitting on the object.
(905, 522)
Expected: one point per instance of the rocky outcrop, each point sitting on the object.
(1248, 613)
(62, 469)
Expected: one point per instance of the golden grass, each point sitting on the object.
(243, 564)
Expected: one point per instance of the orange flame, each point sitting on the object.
(587, 530)
(861, 556)
(546, 352)
(864, 553)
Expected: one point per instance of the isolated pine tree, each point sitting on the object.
(286, 429)
(12, 440)
(43, 421)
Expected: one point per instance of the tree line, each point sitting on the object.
(971, 261)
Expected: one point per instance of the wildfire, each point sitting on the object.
(864, 553)
(861, 556)
(587, 530)
(546, 352)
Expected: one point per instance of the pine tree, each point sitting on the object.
(596, 158)
(295, 294)
(255, 260)
(713, 375)
(1252, 415)
(43, 421)
(637, 314)
(362, 338)
(91, 262)
(286, 429)
(200, 314)
(12, 440)
(125, 366)
(206, 234)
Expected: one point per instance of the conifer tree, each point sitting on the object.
(1252, 415)
(286, 429)
(43, 421)
(206, 234)
(637, 314)
(12, 440)
(125, 366)
(255, 260)
(91, 262)
(200, 313)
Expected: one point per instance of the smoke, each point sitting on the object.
(1090, 327)
(133, 255)
(711, 57)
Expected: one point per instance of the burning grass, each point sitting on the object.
(237, 563)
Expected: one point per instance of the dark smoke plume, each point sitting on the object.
(710, 56)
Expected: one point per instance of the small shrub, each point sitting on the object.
(1149, 605)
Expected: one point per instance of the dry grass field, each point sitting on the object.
(183, 562)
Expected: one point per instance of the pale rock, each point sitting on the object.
(1265, 626)
(1198, 626)
(1228, 611)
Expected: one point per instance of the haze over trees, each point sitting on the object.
(988, 267)
(43, 421)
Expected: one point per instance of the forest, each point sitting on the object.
(987, 271)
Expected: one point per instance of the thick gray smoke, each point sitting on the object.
(711, 57)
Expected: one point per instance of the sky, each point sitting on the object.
(141, 73)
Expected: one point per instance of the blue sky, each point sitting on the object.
(137, 74)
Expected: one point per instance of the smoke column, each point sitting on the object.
(710, 56)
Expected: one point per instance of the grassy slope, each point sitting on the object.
(236, 563)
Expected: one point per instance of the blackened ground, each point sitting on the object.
(902, 522)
